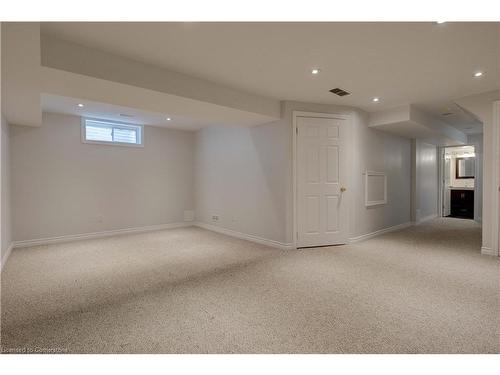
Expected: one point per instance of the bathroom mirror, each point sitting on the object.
(465, 167)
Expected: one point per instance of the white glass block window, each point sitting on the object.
(109, 132)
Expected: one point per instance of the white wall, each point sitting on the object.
(241, 176)
(245, 176)
(426, 183)
(61, 186)
(5, 218)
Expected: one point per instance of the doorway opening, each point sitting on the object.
(459, 182)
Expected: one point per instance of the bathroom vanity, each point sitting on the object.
(462, 202)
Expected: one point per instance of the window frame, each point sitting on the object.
(83, 131)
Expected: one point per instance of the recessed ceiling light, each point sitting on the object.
(478, 74)
(375, 100)
(168, 119)
(440, 22)
(81, 105)
(315, 71)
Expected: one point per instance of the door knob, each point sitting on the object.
(342, 189)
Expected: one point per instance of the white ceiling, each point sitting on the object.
(454, 115)
(62, 104)
(402, 63)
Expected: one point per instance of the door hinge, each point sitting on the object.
(297, 131)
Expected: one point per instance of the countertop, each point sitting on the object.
(460, 188)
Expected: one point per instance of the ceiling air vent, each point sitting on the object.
(339, 92)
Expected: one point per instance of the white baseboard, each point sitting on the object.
(244, 236)
(6, 255)
(380, 232)
(289, 246)
(108, 233)
(488, 251)
(426, 218)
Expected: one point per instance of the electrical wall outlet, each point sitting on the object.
(189, 215)
(215, 217)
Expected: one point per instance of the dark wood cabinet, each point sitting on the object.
(462, 203)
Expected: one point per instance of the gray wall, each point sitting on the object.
(378, 151)
(427, 187)
(245, 176)
(6, 232)
(61, 186)
(241, 176)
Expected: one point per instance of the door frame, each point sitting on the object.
(440, 155)
(495, 181)
(348, 119)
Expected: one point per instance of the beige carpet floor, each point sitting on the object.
(425, 289)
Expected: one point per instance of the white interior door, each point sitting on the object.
(322, 216)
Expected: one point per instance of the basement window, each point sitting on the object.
(111, 133)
